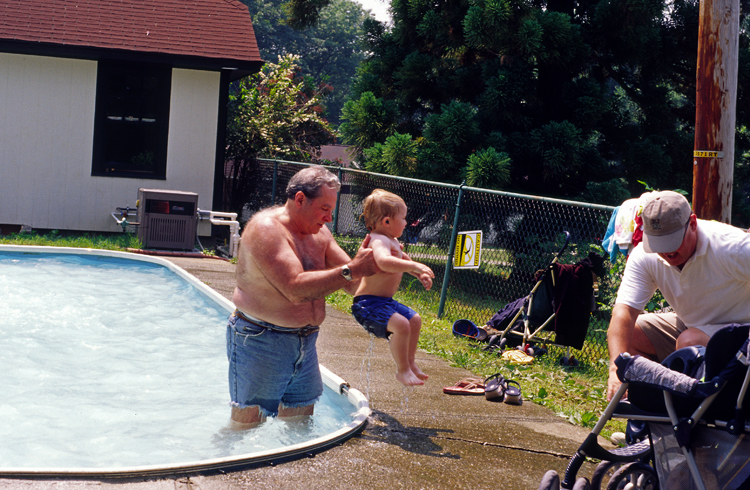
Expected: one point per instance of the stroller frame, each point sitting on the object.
(530, 334)
(635, 456)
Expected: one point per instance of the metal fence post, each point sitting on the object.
(451, 251)
(273, 188)
(336, 211)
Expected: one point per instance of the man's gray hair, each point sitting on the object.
(310, 181)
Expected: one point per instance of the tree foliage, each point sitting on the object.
(369, 121)
(275, 113)
(329, 49)
(397, 156)
(488, 169)
(550, 97)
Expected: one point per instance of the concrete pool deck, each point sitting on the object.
(418, 438)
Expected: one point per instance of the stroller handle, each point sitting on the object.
(564, 246)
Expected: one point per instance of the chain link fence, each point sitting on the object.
(520, 235)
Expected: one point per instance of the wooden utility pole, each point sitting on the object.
(715, 108)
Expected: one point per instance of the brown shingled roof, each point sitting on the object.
(217, 29)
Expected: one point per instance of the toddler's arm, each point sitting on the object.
(424, 278)
(387, 262)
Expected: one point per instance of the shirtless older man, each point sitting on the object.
(288, 263)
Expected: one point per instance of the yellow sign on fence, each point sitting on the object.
(468, 250)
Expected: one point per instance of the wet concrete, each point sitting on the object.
(417, 438)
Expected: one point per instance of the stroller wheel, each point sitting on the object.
(492, 343)
(582, 484)
(635, 476)
(539, 351)
(603, 472)
(569, 361)
(550, 481)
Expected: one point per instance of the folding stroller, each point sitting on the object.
(693, 409)
(561, 301)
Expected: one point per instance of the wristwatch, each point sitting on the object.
(347, 273)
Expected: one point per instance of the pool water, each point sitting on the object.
(109, 362)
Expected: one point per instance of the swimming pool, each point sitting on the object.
(115, 364)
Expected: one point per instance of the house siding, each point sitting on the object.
(47, 120)
(46, 139)
(191, 151)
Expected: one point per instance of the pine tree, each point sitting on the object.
(569, 92)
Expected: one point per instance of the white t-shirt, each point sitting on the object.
(713, 287)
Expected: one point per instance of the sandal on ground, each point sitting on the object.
(467, 386)
(513, 393)
(490, 331)
(494, 387)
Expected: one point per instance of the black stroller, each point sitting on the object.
(561, 301)
(692, 412)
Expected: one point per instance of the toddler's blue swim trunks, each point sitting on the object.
(373, 313)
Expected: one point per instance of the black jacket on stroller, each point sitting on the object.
(567, 292)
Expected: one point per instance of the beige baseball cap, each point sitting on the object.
(665, 218)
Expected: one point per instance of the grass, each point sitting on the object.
(55, 238)
(576, 394)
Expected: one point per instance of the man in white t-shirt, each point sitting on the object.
(702, 269)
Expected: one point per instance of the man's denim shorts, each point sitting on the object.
(373, 313)
(268, 368)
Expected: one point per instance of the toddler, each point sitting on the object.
(374, 307)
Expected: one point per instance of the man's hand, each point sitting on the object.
(365, 243)
(613, 383)
(620, 339)
(363, 264)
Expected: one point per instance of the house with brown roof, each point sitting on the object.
(99, 98)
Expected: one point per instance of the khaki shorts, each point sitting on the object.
(662, 329)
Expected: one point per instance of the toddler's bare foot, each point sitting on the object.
(409, 379)
(418, 372)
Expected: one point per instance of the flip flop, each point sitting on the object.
(513, 393)
(490, 331)
(467, 386)
(494, 387)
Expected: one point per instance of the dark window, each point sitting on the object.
(131, 121)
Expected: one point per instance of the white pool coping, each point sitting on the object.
(331, 380)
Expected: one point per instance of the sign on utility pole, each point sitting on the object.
(715, 108)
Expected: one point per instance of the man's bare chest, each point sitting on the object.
(311, 253)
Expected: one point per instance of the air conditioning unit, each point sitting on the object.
(168, 219)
